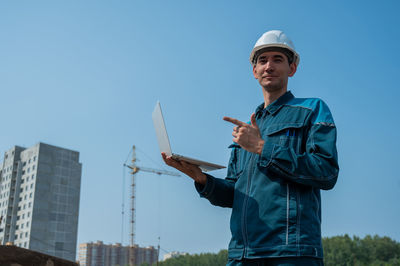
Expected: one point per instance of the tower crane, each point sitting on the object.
(135, 169)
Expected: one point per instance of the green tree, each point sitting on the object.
(204, 259)
(338, 251)
(346, 251)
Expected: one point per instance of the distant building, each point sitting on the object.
(39, 199)
(93, 254)
(173, 254)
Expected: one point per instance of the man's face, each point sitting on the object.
(272, 71)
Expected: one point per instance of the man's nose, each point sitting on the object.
(269, 67)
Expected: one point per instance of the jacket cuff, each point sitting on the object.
(207, 189)
(266, 154)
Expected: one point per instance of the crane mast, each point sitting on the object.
(135, 169)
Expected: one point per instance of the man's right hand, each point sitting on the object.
(191, 170)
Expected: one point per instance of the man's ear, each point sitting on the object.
(254, 71)
(293, 69)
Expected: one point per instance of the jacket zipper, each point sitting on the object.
(244, 213)
(287, 213)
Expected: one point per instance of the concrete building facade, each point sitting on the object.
(39, 199)
(92, 254)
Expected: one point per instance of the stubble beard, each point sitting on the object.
(273, 87)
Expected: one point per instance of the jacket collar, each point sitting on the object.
(273, 107)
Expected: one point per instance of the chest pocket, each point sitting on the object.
(287, 135)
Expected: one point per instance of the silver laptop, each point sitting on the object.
(163, 143)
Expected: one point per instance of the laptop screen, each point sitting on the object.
(161, 131)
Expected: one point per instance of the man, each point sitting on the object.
(279, 162)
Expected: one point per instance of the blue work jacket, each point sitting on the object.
(275, 196)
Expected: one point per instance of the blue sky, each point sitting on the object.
(86, 75)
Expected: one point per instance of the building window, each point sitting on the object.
(59, 245)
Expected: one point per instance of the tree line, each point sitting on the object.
(338, 251)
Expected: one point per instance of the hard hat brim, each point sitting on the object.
(278, 45)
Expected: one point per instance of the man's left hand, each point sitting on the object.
(247, 136)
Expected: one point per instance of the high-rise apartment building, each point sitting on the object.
(39, 199)
(93, 254)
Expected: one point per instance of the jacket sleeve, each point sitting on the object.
(318, 165)
(220, 191)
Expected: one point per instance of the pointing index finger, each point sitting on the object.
(234, 121)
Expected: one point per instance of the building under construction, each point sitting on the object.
(93, 254)
(39, 199)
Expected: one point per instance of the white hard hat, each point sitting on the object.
(274, 38)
